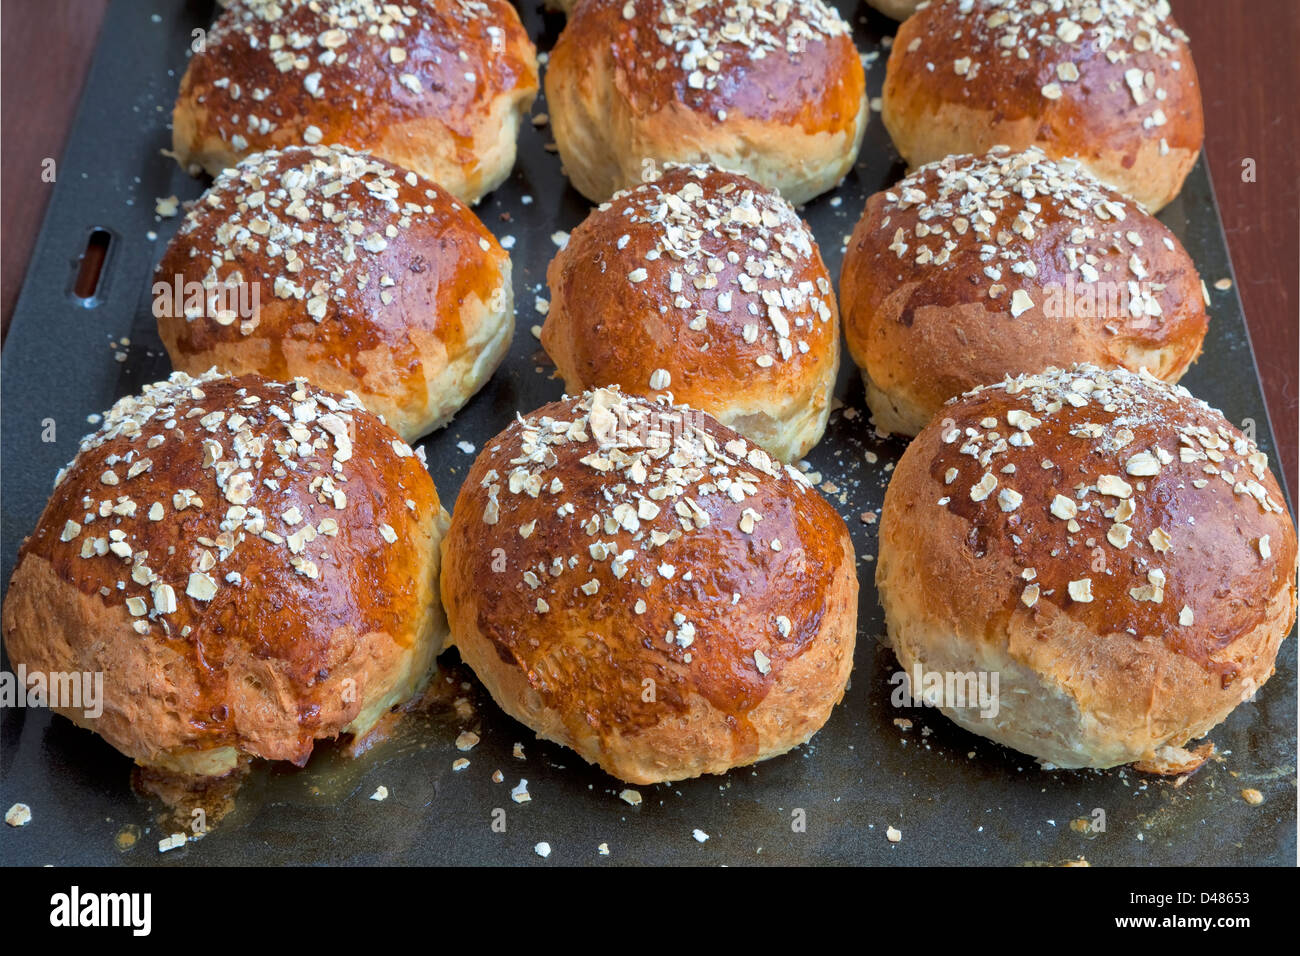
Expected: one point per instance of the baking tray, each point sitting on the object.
(956, 798)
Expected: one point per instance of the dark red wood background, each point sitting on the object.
(1245, 53)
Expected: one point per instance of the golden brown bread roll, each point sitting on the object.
(770, 88)
(437, 86)
(1110, 82)
(977, 267)
(1112, 549)
(368, 278)
(703, 285)
(252, 566)
(637, 582)
(898, 9)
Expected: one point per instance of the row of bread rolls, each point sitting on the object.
(436, 86)
(648, 547)
(1113, 550)
(256, 565)
(771, 88)
(774, 89)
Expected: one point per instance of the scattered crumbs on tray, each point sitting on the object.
(631, 797)
(459, 764)
(1250, 795)
(172, 842)
(380, 794)
(467, 741)
(517, 751)
(699, 835)
(894, 835)
(19, 815)
(166, 206)
(1223, 284)
(497, 776)
(603, 849)
(520, 793)
(542, 849)
(466, 447)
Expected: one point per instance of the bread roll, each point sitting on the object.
(251, 565)
(1112, 551)
(705, 286)
(898, 9)
(1110, 82)
(977, 267)
(639, 583)
(773, 89)
(437, 86)
(344, 269)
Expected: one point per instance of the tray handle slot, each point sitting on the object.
(90, 265)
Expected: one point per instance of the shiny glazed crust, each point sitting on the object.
(1110, 82)
(768, 88)
(634, 581)
(368, 278)
(1113, 549)
(251, 565)
(977, 267)
(703, 285)
(437, 86)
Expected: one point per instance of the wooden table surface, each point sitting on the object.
(1244, 53)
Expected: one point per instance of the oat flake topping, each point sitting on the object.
(997, 202)
(319, 214)
(1106, 407)
(659, 466)
(250, 452)
(702, 235)
(699, 34)
(1064, 31)
(319, 62)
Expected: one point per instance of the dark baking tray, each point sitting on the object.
(956, 798)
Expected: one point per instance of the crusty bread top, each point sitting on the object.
(713, 257)
(682, 545)
(997, 227)
(1090, 62)
(354, 67)
(343, 234)
(785, 61)
(1116, 497)
(241, 515)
